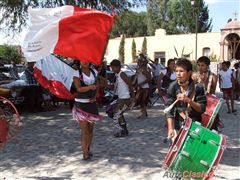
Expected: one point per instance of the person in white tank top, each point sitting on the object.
(124, 91)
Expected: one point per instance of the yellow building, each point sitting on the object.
(222, 45)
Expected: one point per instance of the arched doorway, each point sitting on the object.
(233, 42)
(229, 44)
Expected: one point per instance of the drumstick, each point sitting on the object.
(168, 109)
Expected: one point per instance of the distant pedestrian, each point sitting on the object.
(226, 81)
(167, 76)
(156, 69)
(142, 90)
(237, 80)
(34, 91)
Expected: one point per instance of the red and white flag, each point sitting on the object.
(69, 31)
(55, 75)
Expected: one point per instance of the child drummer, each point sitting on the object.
(205, 76)
(190, 97)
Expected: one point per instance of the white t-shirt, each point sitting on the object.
(157, 70)
(88, 80)
(226, 76)
(122, 88)
(140, 78)
(173, 76)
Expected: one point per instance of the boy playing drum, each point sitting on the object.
(191, 100)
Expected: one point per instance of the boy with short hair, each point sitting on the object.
(124, 91)
(191, 98)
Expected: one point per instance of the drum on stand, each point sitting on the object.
(196, 151)
(9, 120)
(210, 116)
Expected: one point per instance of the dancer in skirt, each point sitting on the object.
(85, 108)
(124, 91)
(190, 98)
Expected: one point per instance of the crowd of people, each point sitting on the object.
(177, 82)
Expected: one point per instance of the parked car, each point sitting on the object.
(20, 68)
(11, 88)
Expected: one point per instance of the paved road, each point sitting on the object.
(48, 148)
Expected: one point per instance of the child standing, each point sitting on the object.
(226, 80)
(123, 89)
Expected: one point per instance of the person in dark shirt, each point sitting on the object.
(33, 92)
(191, 100)
(14, 70)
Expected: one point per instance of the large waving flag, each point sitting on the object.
(69, 31)
(55, 75)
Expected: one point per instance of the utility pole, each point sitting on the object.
(195, 6)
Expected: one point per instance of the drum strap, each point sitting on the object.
(208, 90)
(185, 114)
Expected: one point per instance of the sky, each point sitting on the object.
(219, 10)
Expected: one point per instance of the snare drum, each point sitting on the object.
(209, 116)
(196, 150)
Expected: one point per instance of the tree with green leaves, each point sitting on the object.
(14, 14)
(144, 46)
(130, 23)
(178, 16)
(156, 15)
(122, 50)
(134, 51)
(9, 53)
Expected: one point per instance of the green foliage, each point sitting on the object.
(144, 46)
(121, 50)
(132, 24)
(9, 53)
(134, 51)
(156, 15)
(14, 13)
(178, 16)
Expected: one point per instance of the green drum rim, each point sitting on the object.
(215, 112)
(200, 153)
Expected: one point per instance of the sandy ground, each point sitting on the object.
(48, 148)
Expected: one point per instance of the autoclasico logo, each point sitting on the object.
(187, 174)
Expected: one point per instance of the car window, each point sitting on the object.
(21, 68)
